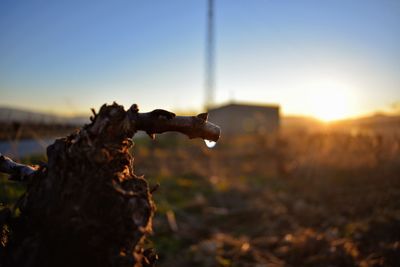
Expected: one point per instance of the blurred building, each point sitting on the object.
(236, 118)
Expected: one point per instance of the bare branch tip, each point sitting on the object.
(203, 116)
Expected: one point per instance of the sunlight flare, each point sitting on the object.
(331, 103)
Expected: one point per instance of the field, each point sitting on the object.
(298, 199)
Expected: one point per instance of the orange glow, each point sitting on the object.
(331, 104)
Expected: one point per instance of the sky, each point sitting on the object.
(328, 59)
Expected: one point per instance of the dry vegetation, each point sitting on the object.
(296, 200)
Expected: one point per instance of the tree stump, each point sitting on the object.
(86, 207)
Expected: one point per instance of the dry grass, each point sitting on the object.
(297, 200)
(325, 199)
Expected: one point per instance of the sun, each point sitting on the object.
(329, 104)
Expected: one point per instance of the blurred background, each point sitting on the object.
(307, 94)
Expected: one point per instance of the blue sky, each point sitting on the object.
(309, 56)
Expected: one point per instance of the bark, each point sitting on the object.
(86, 207)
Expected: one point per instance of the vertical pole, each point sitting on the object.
(210, 64)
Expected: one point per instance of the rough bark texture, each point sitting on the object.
(86, 207)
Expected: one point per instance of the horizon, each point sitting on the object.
(193, 112)
(328, 60)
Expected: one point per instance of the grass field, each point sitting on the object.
(325, 199)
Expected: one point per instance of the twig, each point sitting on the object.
(160, 121)
(17, 171)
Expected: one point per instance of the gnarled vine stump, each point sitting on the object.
(86, 207)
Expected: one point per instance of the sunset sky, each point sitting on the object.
(328, 59)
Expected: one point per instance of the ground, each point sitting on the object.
(299, 199)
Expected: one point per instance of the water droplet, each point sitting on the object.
(210, 144)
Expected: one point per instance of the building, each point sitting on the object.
(236, 118)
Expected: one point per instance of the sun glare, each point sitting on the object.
(331, 104)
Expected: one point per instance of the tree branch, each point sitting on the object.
(17, 171)
(160, 121)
